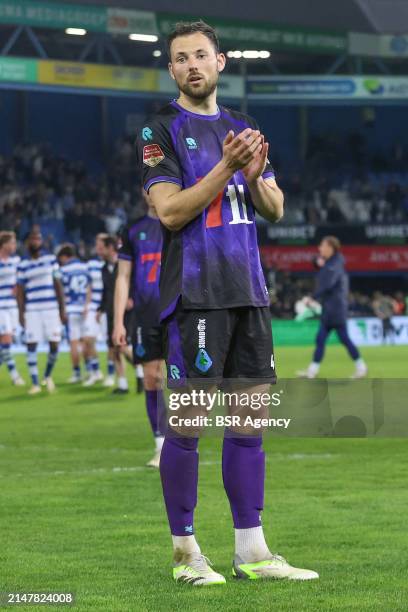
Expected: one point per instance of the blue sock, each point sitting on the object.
(11, 364)
(77, 371)
(95, 364)
(88, 365)
(52, 358)
(32, 365)
(8, 359)
(111, 367)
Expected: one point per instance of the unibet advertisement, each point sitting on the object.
(370, 331)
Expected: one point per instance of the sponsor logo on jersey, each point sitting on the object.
(147, 133)
(191, 143)
(142, 236)
(152, 155)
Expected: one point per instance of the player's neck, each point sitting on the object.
(4, 256)
(208, 106)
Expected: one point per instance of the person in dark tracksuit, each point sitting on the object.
(332, 290)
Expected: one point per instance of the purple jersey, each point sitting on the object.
(142, 245)
(213, 261)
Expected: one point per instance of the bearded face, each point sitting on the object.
(195, 65)
(35, 243)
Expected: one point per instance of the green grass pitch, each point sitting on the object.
(80, 512)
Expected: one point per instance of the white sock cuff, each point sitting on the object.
(188, 544)
(250, 544)
(159, 444)
(122, 382)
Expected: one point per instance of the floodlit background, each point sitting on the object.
(329, 87)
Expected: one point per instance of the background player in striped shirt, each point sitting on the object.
(139, 268)
(91, 326)
(8, 304)
(40, 298)
(78, 292)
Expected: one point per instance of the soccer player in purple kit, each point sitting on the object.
(139, 268)
(206, 170)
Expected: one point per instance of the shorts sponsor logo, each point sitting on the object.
(188, 529)
(152, 155)
(147, 133)
(272, 361)
(174, 372)
(203, 361)
(201, 333)
(140, 350)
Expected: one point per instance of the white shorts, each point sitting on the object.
(42, 326)
(8, 322)
(93, 329)
(76, 327)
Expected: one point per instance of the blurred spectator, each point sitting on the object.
(399, 303)
(383, 307)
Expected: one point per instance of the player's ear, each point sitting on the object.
(221, 61)
(170, 67)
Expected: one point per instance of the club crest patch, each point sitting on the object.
(152, 155)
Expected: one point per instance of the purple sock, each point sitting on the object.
(156, 411)
(243, 473)
(179, 476)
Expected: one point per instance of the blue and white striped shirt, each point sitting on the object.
(8, 281)
(95, 272)
(37, 278)
(76, 280)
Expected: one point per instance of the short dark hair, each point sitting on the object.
(184, 28)
(334, 242)
(67, 250)
(110, 241)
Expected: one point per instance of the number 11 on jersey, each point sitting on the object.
(238, 209)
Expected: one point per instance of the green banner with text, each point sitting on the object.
(237, 33)
(18, 70)
(53, 15)
(259, 35)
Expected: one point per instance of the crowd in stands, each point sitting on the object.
(38, 187)
(342, 182)
(338, 184)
